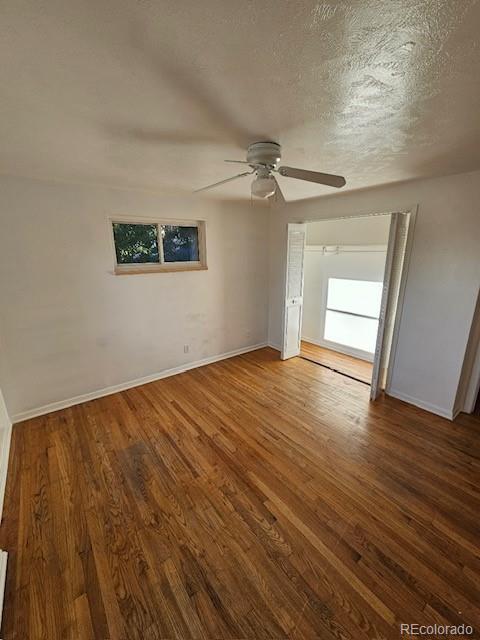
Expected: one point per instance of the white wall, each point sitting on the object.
(442, 284)
(70, 327)
(367, 230)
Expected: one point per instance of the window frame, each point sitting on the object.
(161, 266)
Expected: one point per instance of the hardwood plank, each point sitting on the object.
(348, 365)
(251, 498)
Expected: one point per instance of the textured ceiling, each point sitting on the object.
(151, 94)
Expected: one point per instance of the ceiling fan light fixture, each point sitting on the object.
(263, 187)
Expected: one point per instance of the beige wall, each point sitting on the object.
(443, 278)
(4, 416)
(70, 327)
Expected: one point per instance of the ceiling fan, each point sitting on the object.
(263, 159)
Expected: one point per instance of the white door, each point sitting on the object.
(292, 318)
(392, 282)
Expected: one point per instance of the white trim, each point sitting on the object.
(3, 576)
(5, 439)
(432, 408)
(4, 417)
(106, 391)
(401, 295)
(347, 351)
(362, 214)
(456, 412)
(472, 387)
(275, 346)
(380, 344)
(134, 219)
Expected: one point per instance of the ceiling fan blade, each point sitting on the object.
(238, 161)
(313, 176)
(278, 195)
(217, 184)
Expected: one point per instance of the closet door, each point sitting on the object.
(394, 264)
(292, 318)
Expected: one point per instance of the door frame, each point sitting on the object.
(473, 387)
(469, 383)
(401, 295)
(412, 210)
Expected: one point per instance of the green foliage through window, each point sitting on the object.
(136, 243)
(180, 244)
(157, 243)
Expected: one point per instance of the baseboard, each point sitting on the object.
(455, 413)
(3, 576)
(106, 391)
(432, 408)
(277, 347)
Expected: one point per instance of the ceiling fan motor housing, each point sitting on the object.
(266, 153)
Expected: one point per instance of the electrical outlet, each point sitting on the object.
(186, 348)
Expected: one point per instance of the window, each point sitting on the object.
(180, 244)
(353, 308)
(136, 243)
(158, 246)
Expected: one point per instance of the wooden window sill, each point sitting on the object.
(127, 271)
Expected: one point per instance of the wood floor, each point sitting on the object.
(359, 369)
(251, 498)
